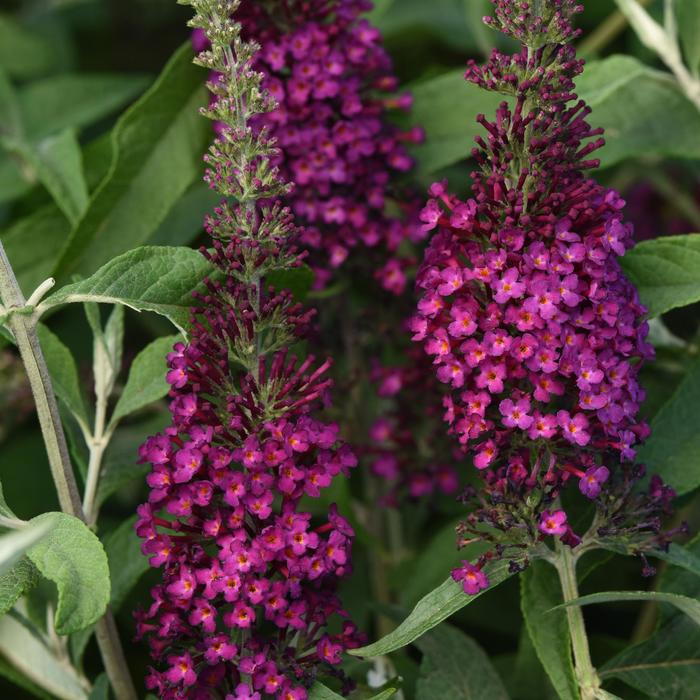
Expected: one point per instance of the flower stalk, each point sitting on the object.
(586, 674)
(24, 331)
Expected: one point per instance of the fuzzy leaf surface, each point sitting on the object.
(454, 666)
(150, 278)
(73, 558)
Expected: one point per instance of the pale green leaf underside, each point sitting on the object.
(689, 606)
(28, 655)
(13, 545)
(13, 583)
(73, 558)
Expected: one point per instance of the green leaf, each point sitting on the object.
(687, 605)
(156, 155)
(58, 165)
(74, 100)
(64, 374)
(23, 53)
(297, 280)
(440, 554)
(150, 278)
(665, 666)
(688, 14)
(666, 271)
(678, 556)
(146, 382)
(13, 583)
(126, 566)
(13, 182)
(455, 667)
(430, 611)
(186, 219)
(24, 649)
(673, 449)
(638, 107)
(446, 107)
(10, 117)
(321, 692)
(540, 591)
(13, 545)
(100, 691)
(126, 562)
(601, 694)
(74, 559)
(14, 676)
(32, 244)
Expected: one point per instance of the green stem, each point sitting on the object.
(24, 331)
(586, 674)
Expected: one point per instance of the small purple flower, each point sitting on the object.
(591, 482)
(472, 578)
(553, 523)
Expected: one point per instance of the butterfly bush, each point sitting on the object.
(334, 83)
(527, 315)
(249, 579)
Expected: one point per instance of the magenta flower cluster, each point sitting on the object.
(524, 308)
(224, 524)
(332, 79)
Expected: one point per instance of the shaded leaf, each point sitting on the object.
(23, 53)
(151, 278)
(297, 280)
(638, 107)
(540, 591)
(73, 558)
(100, 690)
(673, 449)
(156, 154)
(32, 244)
(64, 374)
(58, 165)
(431, 610)
(666, 271)
(74, 100)
(146, 382)
(446, 107)
(688, 14)
(455, 667)
(126, 562)
(186, 219)
(665, 666)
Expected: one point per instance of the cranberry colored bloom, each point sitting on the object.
(332, 79)
(553, 523)
(592, 481)
(473, 580)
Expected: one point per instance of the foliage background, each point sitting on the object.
(77, 65)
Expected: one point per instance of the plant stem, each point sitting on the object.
(586, 675)
(24, 331)
(606, 32)
(97, 443)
